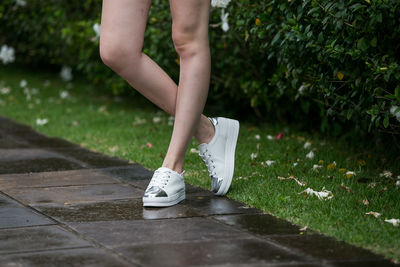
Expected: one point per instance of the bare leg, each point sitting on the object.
(190, 35)
(123, 24)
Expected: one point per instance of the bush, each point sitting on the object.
(324, 60)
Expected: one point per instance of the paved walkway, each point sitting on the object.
(62, 205)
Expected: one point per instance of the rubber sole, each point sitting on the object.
(164, 202)
(230, 148)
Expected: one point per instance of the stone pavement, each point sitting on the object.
(62, 205)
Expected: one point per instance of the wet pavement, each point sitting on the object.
(63, 205)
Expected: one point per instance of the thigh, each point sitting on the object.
(190, 18)
(123, 22)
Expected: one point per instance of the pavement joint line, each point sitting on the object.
(28, 226)
(42, 250)
(53, 186)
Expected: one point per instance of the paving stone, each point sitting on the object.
(60, 178)
(370, 263)
(27, 153)
(37, 238)
(127, 209)
(92, 159)
(234, 252)
(37, 165)
(118, 233)
(8, 142)
(75, 257)
(260, 224)
(325, 247)
(213, 205)
(133, 172)
(71, 194)
(12, 214)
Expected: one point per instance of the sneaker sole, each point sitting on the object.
(233, 126)
(164, 201)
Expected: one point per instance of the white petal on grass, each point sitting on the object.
(224, 21)
(270, 137)
(257, 137)
(292, 178)
(5, 90)
(20, 2)
(66, 73)
(96, 29)
(7, 54)
(393, 221)
(316, 167)
(270, 162)
(23, 83)
(171, 120)
(194, 150)
(295, 164)
(156, 119)
(307, 145)
(373, 213)
(386, 174)
(310, 155)
(322, 195)
(220, 3)
(395, 111)
(253, 155)
(64, 94)
(350, 173)
(41, 122)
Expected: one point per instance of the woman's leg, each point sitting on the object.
(123, 24)
(190, 19)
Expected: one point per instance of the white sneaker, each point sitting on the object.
(166, 188)
(219, 154)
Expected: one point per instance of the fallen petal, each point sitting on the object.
(373, 213)
(395, 222)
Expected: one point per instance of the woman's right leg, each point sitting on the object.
(123, 24)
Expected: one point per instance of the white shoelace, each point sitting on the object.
(160, 178)
(207, 158)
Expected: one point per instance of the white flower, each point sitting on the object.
(224, 21)
(156, 119)
(41, 122)
(307, 145)
(295, 164)
(270, 137)
(310, 155)
(321, 195)
(23, 83)
(253, 155)
(270, 162)
(96, 28)
(20, 2)
(194, 150)
(395, 222)
(66, 73)
(386, 174)
(7, 54)
(257, 137)
(220, 3)
(64, 94)
(394, 113)
(316, 167)
(5, 90)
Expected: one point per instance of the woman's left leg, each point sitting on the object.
(190, 20)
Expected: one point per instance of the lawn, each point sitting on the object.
(270, 172)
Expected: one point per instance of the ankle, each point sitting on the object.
(205, 131)
(173, 165)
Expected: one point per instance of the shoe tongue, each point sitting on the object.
(165, 169)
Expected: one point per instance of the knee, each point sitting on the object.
(188, 40)
(117, 55)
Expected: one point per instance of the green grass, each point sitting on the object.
(107, 124)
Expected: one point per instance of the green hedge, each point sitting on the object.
(327, 61)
